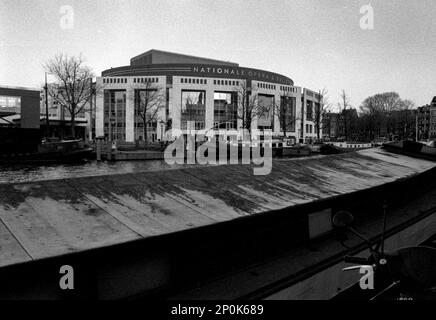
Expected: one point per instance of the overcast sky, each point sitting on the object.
(317, 43)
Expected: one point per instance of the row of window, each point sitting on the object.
(193, 81)
(267, 86)
(114, 80)
(10, 102)
(226, 82)
(135, 80)
(288, 89)
(197, 125)
(145, 80)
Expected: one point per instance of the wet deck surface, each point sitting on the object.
(48, 218)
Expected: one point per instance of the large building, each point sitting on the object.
(189, 93)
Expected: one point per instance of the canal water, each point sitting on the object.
(28, 173)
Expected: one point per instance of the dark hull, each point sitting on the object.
(50, 157)
(412, 149)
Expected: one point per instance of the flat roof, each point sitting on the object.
(51, 218)
(19, 88)
(174, 54)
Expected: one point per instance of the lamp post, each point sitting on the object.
(162, 128)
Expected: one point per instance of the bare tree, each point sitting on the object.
(149, 100)
(286, 112)
(387, 113)
(320, 111)
(344, 105)
(248, 107)
(73, 87)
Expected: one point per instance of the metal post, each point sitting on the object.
(47, 121)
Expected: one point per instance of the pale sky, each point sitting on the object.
(317, 43)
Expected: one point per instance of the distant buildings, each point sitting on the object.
(426, 121)
(60, 119)
(340, 126)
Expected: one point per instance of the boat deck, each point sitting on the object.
(51, 218)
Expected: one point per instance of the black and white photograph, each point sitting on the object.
(208, 157)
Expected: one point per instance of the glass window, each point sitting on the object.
(266, 103)
(193, 109)
(10, 104)
(225, 110)
(287, 113)
(115, 114)
(309, 110)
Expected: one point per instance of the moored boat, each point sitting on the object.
(52, 150)
(413, 149)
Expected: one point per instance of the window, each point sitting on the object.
(10, 104)
(115, 114)
(266, 102)
(199, 125)
(287, 113)
(181, 80)
(193, 109)
(309, 110)
(225, 110)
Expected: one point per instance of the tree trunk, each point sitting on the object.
(145, 134)
(73, 126)
(318, 127)
(284, 129)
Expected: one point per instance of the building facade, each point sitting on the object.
(19, 106)
(19, 120)
(426, 121)
(160, 91)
